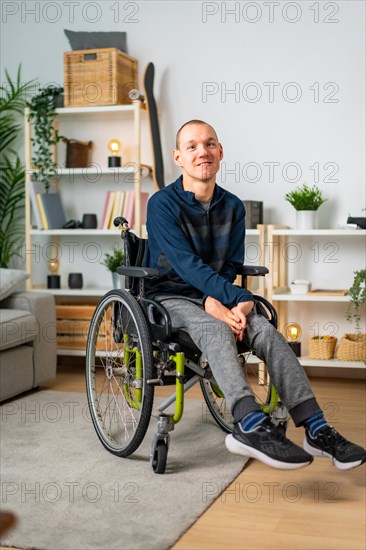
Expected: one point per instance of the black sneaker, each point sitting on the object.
(268, 444)
(329, 443)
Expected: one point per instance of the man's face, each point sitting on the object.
(199, 152)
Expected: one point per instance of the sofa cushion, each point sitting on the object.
(10, 279)
(16, 328)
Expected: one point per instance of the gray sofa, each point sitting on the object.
(27, 342)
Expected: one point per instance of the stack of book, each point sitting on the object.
(47, 207)
(122, 203)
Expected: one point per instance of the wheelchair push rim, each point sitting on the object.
(118, 366)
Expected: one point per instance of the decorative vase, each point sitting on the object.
(75, 280)
(306, 219)
(118, 280)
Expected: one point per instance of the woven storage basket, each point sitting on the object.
(98, 77)
(322, 347)
(77, 153)
(352, 347)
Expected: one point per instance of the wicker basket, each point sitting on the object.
(352, 347)
(322, 347)
(98, 77)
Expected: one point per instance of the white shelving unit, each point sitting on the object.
(84, 190)
(126, 121)
(278, 281)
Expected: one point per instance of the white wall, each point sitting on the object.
(310, 51)
(324, 60)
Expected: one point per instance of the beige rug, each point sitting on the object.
(68, 492)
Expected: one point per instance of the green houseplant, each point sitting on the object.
(306, 201)
(352, 347)
(305, 198)
(357, 294)
(12, 173)
(42, 112)
(113, 260)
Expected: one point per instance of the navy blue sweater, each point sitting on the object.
(197, 252)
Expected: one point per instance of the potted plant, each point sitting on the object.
(306, 201)
(42, 112)
(352, 347)
(12, 173)
(357, 294)
(113, 260)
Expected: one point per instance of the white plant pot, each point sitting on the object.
(306, 219)
(118, 280)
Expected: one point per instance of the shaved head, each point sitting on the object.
(189, 123)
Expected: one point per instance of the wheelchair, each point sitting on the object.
(132, 347)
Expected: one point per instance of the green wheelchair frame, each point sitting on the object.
(129, 352)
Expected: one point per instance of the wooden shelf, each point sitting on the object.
(321, 232)
(288, 297)
(113, 109)
(331, 363)
(76, 232)
(73, 292)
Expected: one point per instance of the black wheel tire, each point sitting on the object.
(97, 384)
(160, 457)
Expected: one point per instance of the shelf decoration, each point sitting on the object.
(352, 347)
(53, 280)
(322, 347)
(42, 112)
(77, 153)
(306, 201)
(111, 262)
(114, 161)
(293, 333)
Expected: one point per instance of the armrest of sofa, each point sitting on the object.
(42, 306)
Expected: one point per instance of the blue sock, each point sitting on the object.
(252, 420)
(315, 423)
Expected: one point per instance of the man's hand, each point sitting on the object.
(235, 317)
(242, 310)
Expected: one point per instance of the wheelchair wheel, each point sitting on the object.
(160, 457)
(260, 385)
(118, 365)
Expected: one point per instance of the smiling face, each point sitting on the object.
(198, 154)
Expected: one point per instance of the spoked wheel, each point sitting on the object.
(159, 457)
(263, 391)
(118, 365)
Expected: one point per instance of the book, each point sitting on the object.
(117, 207)
(129, 206)
(109, 210)
(53, 209)
(106, 200)
(35, 187)
(41, 212)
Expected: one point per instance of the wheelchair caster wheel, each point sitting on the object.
(160, 457)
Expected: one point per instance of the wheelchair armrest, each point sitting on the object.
(253, 271)
(139, 272)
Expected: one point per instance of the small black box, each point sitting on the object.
(254, 214)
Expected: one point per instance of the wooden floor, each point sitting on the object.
(312, 508)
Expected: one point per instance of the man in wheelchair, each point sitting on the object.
(196, 241)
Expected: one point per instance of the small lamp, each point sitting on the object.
(293, 333)
(114, 161)
(53, 280)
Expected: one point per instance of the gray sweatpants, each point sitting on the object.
(217, 342)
